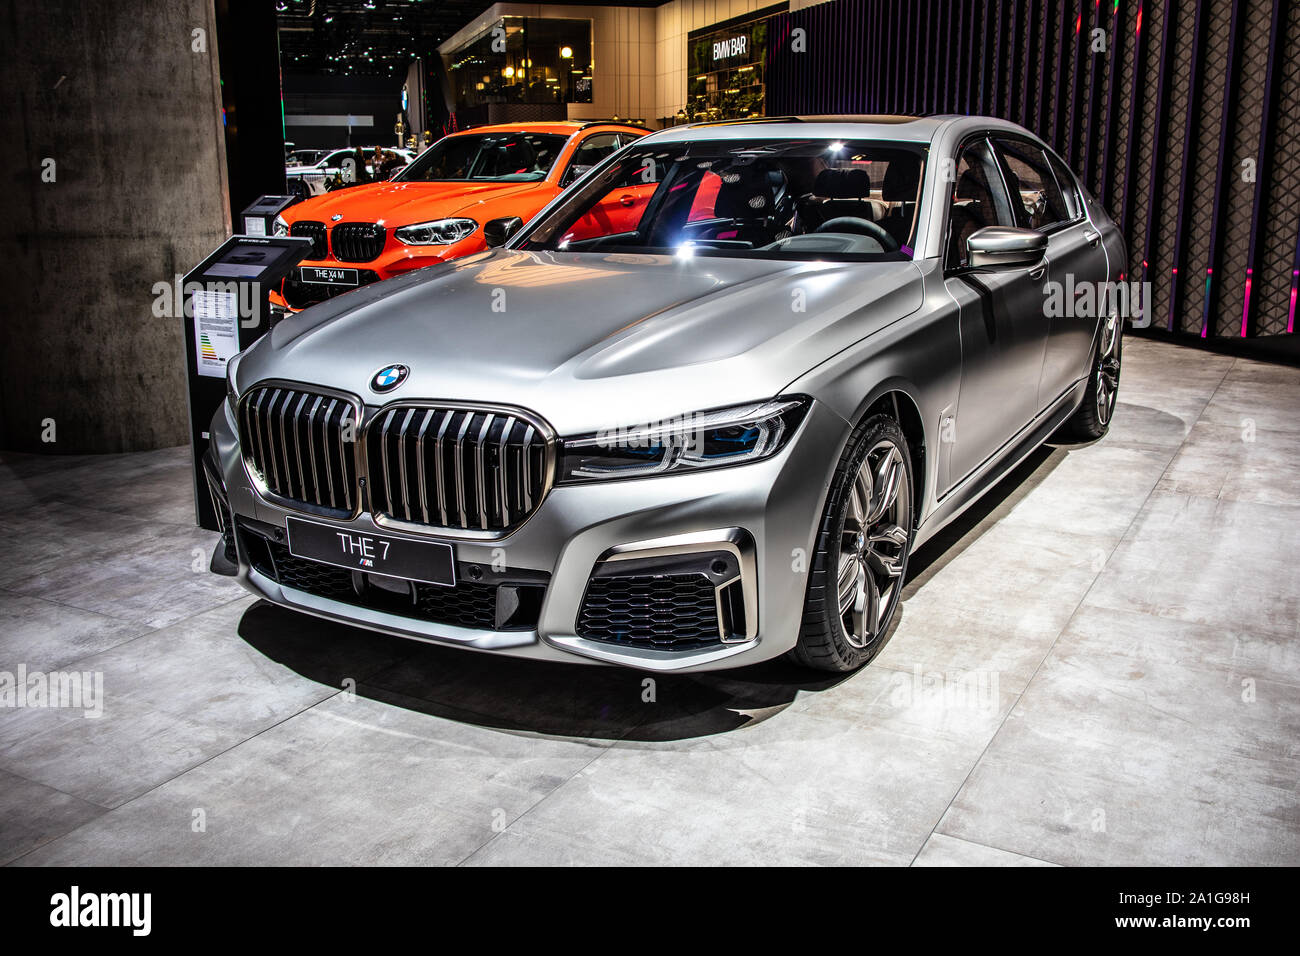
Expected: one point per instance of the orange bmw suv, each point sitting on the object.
(435, 208)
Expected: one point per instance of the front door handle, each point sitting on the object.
(1092, 237)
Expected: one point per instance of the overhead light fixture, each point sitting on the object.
(566, 53)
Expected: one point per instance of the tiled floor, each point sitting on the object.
(1100, 665)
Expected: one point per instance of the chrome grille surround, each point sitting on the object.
(295, 448)
(416, 465)
(464, 469)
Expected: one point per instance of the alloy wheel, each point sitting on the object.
(1107, 372)
(874, 543)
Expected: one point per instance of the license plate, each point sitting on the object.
(325, 276)
(430, 562)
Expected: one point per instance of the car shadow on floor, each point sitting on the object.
(580, 701)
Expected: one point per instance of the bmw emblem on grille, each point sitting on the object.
(389, 377)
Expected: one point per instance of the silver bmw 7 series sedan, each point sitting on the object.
(696, 414)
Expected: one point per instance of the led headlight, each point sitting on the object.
(280, 227)
(232, 391)
(440, 232)
(721, 436)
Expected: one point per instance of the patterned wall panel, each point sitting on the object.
(1157, 124)
(1237, 219)
(1206, 167)
(1273, 295)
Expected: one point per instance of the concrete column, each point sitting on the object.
(114, 180)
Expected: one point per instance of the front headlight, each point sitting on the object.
(440, 232)
(280, 227)
(232, 392)
(721, 436)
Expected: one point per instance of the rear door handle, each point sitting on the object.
(1092, 237)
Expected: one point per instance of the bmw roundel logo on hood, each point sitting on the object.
(389, 377)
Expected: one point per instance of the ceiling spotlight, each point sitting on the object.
(566, 53)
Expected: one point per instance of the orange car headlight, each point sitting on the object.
(440, 232)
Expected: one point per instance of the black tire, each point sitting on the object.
(1092, 419)
(825, 641)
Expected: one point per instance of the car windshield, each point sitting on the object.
(487, 157)
(790, 199)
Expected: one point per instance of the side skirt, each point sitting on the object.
(991, 472)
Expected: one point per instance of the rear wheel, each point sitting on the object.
(861, 551)
(1092, 419)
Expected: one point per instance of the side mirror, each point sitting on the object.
(497, 231)
(574, 174)
(1005, 247)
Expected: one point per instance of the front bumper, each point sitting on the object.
(396, 259)
(753, 526)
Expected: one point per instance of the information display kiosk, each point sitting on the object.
(259, 218)
(226, 310)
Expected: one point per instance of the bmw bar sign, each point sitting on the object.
(389, 377)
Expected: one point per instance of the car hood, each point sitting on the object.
(589, 341)
(400, 204)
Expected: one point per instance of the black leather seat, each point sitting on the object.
(840, 193)
(747, 196)
(972, 209)
(899, 190)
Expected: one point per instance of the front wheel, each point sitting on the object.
(861, 554)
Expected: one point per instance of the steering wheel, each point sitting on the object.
(860, 227)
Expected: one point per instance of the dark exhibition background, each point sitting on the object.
(1185, 127)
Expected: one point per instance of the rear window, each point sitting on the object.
(1035, 193)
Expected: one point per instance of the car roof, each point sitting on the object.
(558, 127)
(900, 128)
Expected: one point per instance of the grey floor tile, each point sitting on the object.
(1116, 755)
(349, 781)
(110, 759)
(1242, 464)
(853, 776)
(1208, 561)
(32, 815)
(115, 565)
(1095, 490)
(1259, 395)
(942, 850)
(997, 607)
(47, 636)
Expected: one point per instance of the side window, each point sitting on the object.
(978, 200)
(1069, 188)
(1037, 198)
(590, 152)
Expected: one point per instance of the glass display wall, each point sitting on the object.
(725, 66)
(525, 60)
